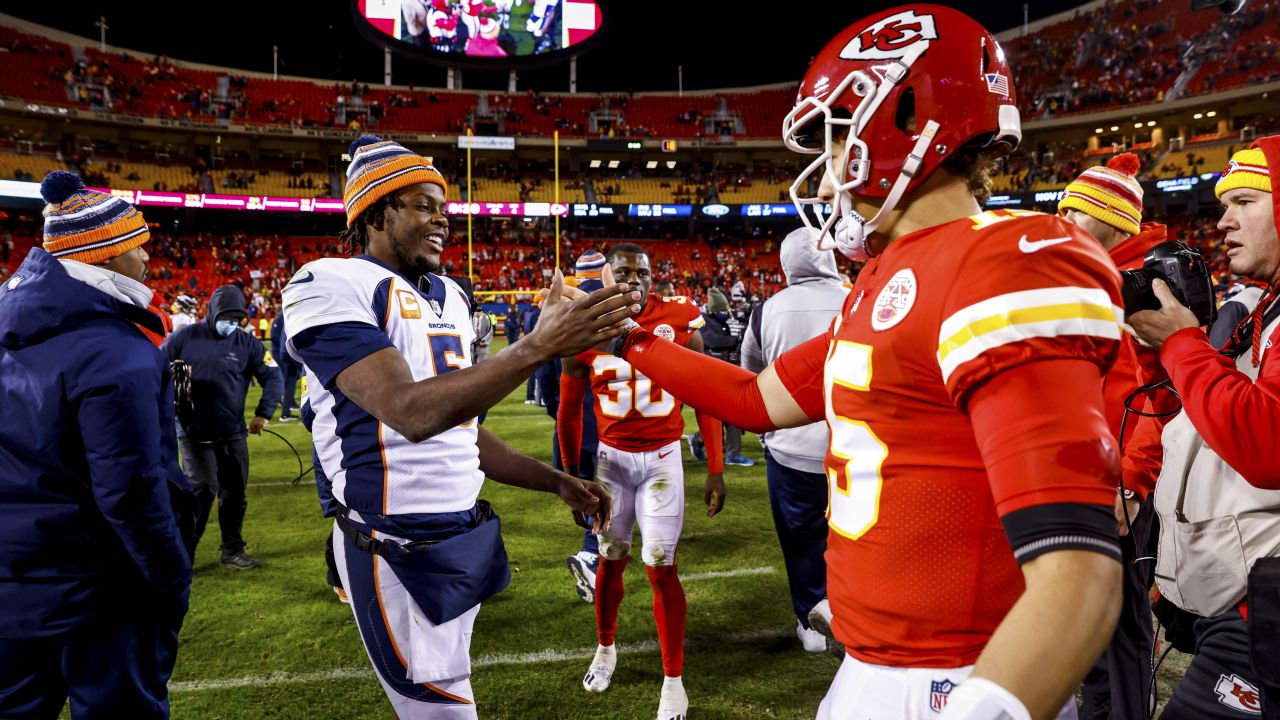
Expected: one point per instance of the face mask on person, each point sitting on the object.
(226, 327)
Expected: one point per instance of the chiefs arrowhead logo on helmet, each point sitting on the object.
(891, 37)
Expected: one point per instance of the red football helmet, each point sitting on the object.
(907, 88)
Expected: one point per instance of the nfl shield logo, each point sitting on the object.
(938, 694)
(435, 306)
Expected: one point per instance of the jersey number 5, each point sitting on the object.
(446, 356)
(630, 389)
(853, 472)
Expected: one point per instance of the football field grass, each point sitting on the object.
(275, 642)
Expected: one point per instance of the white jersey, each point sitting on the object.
(375, 469)
(181, 320)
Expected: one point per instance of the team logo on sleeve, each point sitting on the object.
(939, 692)
(895, 300)
(1239, 694)
(666, 332)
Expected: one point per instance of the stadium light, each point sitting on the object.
(1115, 128)
(651, 165)
(595, 163)
(671, 164)
(1099, 131)
(1151, 123)
(1198, 116)
(1137, 126)
(613, 164)
(1211, 113)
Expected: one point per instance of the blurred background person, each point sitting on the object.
(215, 451)
(794, 456)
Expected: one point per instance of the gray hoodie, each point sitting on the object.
(805, 308)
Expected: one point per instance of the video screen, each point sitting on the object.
(484, 28)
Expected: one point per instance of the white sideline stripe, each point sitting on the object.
(766, 570)
(541, 656)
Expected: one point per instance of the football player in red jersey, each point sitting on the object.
(639, 461)
(973, 559)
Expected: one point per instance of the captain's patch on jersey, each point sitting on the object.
(666, 332)
(895, 300)
(409, 307)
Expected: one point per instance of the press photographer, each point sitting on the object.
(1218, 496)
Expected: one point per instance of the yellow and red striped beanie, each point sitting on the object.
(86, 225)
(379, 167)
(1247, 169)
(1110, 194)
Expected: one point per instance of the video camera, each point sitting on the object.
(1185, 272)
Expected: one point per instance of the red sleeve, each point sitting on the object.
(1237, 417)
(1031, 289)
(1143, 448)
(1044, 437)
(569, 420)
(702, 382)
(713, 441)
(801, 371)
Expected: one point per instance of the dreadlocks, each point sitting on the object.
(356, 237)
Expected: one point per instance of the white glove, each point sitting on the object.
(979, 699)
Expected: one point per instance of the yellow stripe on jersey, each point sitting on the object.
(1013, 317)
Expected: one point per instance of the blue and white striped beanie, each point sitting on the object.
(86, 225)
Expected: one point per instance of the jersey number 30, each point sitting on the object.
(854, 476)
(630, 389)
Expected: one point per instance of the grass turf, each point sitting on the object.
(275, 642)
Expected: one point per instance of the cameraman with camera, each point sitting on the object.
(1218, 496)
(1106, 202)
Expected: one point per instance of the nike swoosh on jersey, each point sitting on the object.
(1030, 246)
(310, 276)
(662, 455)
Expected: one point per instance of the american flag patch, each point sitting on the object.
(997, 83)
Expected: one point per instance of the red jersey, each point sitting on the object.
(633, 414)
(919, 570)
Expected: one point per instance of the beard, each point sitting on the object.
(414, 267)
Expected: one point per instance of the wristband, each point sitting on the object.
(981, 699)
(618, 345)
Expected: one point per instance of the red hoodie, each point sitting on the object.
(1134, 367)
(1238, 418)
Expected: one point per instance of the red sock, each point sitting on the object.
(669, 614)
(609, 597)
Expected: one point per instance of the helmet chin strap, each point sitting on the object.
(852, 229)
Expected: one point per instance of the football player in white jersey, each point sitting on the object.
(387, 347)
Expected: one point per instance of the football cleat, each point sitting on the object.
(583, 568)
(673, 704)
(740, 460)
(813, 641)
(342, 595)
(601, 669)
(820, 620)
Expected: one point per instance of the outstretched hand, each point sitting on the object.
(589, 498)
(572, 321)
(1153, 327)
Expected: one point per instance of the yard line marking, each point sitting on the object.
(540, 656)
(740, 572)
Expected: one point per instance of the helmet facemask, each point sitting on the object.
(958, 76)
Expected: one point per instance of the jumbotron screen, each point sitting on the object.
(497, 29)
